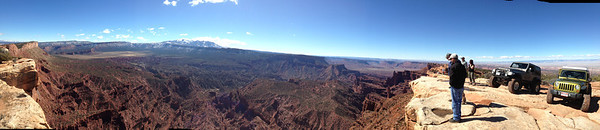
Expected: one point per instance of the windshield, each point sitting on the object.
(572, 74)
(519, 65)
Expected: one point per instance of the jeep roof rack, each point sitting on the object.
(575, 68)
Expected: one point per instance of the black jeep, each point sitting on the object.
(518, 75)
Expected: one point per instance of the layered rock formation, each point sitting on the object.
(383, 105)
(21, 49)
(492, 108)
(17, 108)
(21, 74)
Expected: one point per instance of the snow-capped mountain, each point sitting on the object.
(190, 42)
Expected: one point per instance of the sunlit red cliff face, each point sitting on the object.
(192, 87)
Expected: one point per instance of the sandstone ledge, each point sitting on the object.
(492, 108)
(18, 110)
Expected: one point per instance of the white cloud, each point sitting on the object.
(557, 56)
(93, 35)
(80, 34)
(167, 2)
(229, 32)
(106, 31)
(592, 55)
(62, 36)
(514, 57)
(122, 36)
(485, 57)
(248, 33)
(196, 2)
(161, 27)
(220, 41)
(100, 37)
(183, 34)
(141, 38)
(150, 29)
(141, 31)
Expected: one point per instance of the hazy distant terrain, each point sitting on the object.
(171, 85)
(553, 65)
(379, 67)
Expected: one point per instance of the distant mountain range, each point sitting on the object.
(178, 42)
(190, 42)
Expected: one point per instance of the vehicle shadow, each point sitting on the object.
(543, 89)
(490, 119)
(479, 84)
(575, 104)
(594, 104)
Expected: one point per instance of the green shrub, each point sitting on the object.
(596, 78)
(485, 73)
(5, 57)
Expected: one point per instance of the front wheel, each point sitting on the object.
(535, 88)
(585, 106)
(513, 86)
(493, 83)
(549, 96)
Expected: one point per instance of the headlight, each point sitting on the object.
(555, 83)
(577, 87)
(493, 70)
(510, 73)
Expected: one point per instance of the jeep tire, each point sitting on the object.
(493, 83)
(585, 106)
(534, 88)
(549, 96)
(514, 86)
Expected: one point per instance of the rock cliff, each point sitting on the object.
(493, 108)
(17, 108)
(21, 74)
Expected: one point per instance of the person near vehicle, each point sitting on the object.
(471, 69)
(464, 98)
(457, 75)
(449, 63)
(463, 62)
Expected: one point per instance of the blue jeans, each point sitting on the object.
(457, 95)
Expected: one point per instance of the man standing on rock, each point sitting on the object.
(457, 73)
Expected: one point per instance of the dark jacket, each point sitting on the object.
(457, 74)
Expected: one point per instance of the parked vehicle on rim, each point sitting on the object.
(520, 74)
(573, 83)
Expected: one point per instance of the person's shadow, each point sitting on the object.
(489, 119)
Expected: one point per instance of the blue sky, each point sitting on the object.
(485, 30)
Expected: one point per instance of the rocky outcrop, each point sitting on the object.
(20, 73)
(21, 49)
(19, 110)
(492, 108)
(402, 77)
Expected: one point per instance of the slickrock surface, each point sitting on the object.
(18, 110)
(494, 108)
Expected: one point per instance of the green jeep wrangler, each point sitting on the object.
(572, 83)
